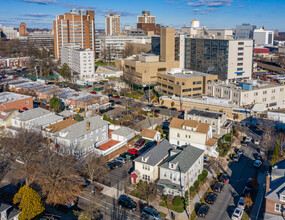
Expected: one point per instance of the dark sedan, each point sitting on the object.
(203, 210)
(211, 198)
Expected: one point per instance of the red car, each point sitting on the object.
(116, 96)
(133, 151)
(93, 92)
(140, 143)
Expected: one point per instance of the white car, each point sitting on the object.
(241, 204)
(248, 139)
(206, 159)
(257, 163)
(146, 109)
(256, 142)
(237, 215)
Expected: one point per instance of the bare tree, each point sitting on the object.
(268, 137)
(149, 190)
(59, 181)
(25, 148)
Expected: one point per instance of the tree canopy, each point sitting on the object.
(78, 117)
(30, 203)
(65, 71)
(55, 104)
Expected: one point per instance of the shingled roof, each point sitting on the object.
(179, 123)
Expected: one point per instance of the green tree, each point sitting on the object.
(65, 71)
(105, 117)
(172, 104)
(78, 117)
(55, 104)
(30, 203)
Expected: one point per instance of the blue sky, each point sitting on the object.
(175, 13)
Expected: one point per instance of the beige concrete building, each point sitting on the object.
(112, 24)
(142, 69)
(184, 83)
(77, 26)
(250, 92)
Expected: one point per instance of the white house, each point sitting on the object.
(7, 212)
(150, 134)
(181, 170)
(123, 134)
(146, 165)
(190, 132)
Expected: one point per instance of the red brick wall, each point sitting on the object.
(19, 104)
(270, 206)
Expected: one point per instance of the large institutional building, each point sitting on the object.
(77, 26)
(146, 22)
(112, 24)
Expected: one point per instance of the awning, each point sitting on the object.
(259, 108)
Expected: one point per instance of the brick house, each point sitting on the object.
(275, 192)
(10, 100)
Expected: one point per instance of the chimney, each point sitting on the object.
(87, 125)
(267, 183)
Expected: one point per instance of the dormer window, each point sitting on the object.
(282, 198)
(144, 159)
(178, 135)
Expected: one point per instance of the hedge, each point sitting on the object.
(177, 201)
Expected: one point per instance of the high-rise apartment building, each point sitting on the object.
(79, 60)
(112, 24)
(263, 37)
(77, 26)
(23, 29)
(146, 22)
(245, 31)
(229, 59)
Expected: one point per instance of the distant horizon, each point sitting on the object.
(214, 14)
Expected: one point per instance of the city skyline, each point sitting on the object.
(211, 13)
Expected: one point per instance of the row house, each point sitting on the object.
(14, 62)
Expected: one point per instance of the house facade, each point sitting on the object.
(180, 170)
(275, 192)
(190, 132)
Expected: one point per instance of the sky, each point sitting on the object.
(173, 13)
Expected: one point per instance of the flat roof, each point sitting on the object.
(6, 97)
(205, 113)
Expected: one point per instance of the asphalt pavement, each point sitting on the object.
(239, 173)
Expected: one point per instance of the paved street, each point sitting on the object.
(239, 172)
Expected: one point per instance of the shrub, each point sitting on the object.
(192, 189)
(164, 197)
(196, 184)
(177, 201)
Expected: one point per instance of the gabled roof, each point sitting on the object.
(60, 125)
(123, 131)
(79, 129)
(278, 169)
(277, 187)
(32, 114)
(148, 133)
(179, 123)
(7, 113)
(156, 154)
(185, 159)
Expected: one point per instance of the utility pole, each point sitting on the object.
(188, 185)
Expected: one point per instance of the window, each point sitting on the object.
(240, 54)
(277, 207)
(240, 43)
(240, 59)
(196, 89)
(177, 142)
(177, 83)
(27, 102)
(197, 82)
(273, 90)
(186, 90)
(178, 135)
(183, 83)
(256, 94)
(240, 48)
(264, 92)
(161, 69)
(170, 87)
(240, 64)
(282, 198)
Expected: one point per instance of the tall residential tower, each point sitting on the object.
(112, 24)
(77, 26)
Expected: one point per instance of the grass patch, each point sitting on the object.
(245, 216)
(179, 209)
(163, 215)
(104, 64)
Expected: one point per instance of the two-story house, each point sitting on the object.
(7, 212)
(146, 165)
(275, 192)
(181, 170)
(218, 120)
(191, 132)
(83, 137)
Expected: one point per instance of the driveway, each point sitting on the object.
(239, 173)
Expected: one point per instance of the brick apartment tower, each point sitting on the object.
(167, 44)
(77, 26)
(23, 29)
(146, 22)
(112, 24)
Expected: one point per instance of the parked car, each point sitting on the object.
(127, 202)
(111, 165)
(133, 151)
(241, 203)
(118, 102)
(112, 101)
(157, 111)
(120, 159)
(244, 143)
(140, 143)
(96, 188)
(237, 215)
(256, 141)
(203, 210)
(248, 138)
(218, 187)
(262, 151)
(116, 96)
(236, 157)
(117, 163)
(150, 213)
(206, 159)
(181, 116)
(110, 108)
(206, 165)
(173, 109)
(224, 178)
(102, 111)
(211, 198)
(163, 107)
(182, 112)
(249, 183)
(110, 95)
(240, 152)
(123, 98)
(257, 163)
(147, 109)
(150, 105)
(128, 155)
(246, 191)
